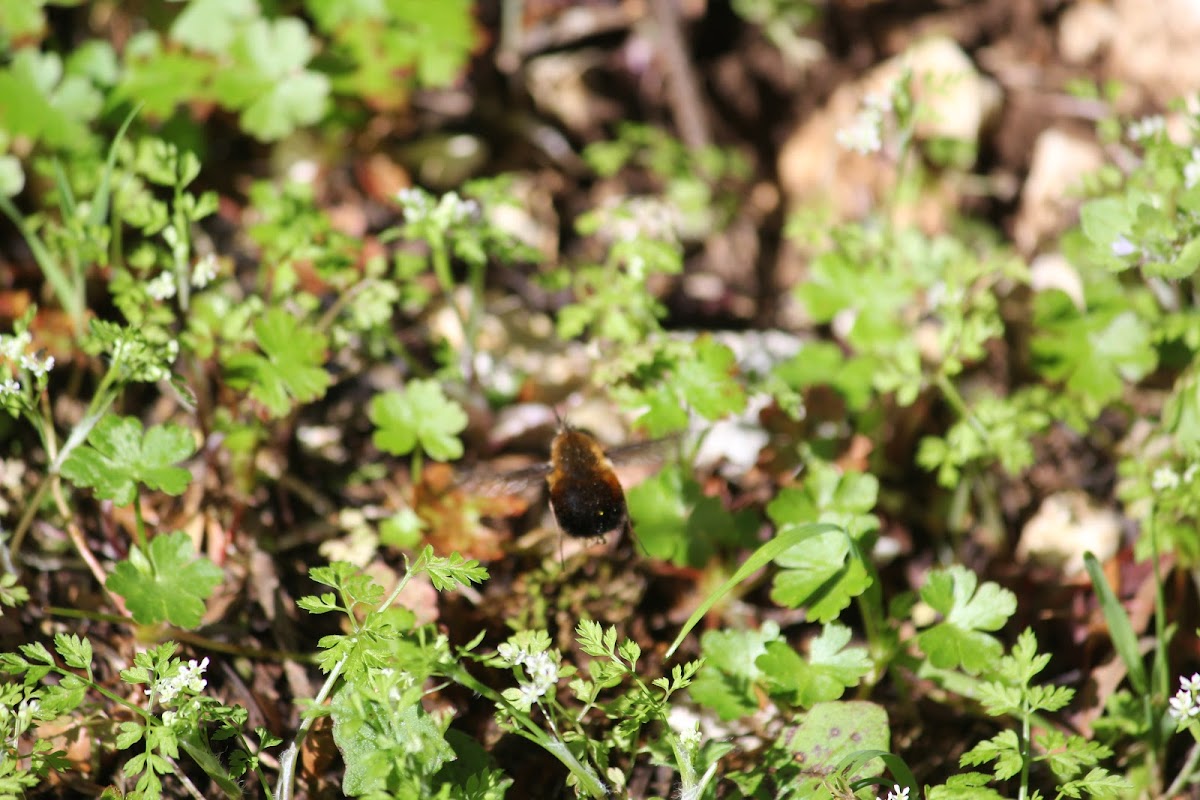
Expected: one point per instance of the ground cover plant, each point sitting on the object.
(295, 295)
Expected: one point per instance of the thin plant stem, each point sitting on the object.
(1185, 772)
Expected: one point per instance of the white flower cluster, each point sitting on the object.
(450, 211)
(539, 667)
(162, 287)
(1146, 128)
(1166, 478)
(205, 271)
(865, 132)
(12, 348)
(897, 793)
(1185, 705)
(22, 720)
(188, 677)
(12, 352)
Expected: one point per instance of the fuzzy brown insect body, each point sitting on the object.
(586, 495)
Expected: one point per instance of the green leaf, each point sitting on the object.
(1184, 264)
(708, 380)
(675, 520)
(787, 537)
(21, 19)
(1094, 353)
(958, 640)
(831, 667)
(168, 582)
(12, 176)
(288, 370)
(1003, 748)
(76, 651)
(1104, 220)
(824, 363)
(821, 573)
(965, 786)
(449, 572)
(160, 79)
(44, 103)
(117, 457)
(829, 495)
(1067, 756)
(421, 415)
(209, 26)
(830, 734)
(1099, 782)
(726, 682)
(270, 85)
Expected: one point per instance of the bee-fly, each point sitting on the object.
(585, 494)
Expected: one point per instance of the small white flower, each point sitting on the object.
(10, 386)
(898, 793)
(511, 653)
(1146, 127)
(168, 718)
(188, 677)
(637, 267)
(38, 368)
(691, 738)
(12, 347)
(453, 210)
(879, 102)
(864, 133)
(542, 671)
(205, 271)
(416, 203)
(1164, 478)
(1181, 705)
(1191, 170)
(162, 287)
(530, 694)
(1191, 684)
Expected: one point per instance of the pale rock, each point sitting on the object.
(1085, 30)
(957, 102)
(1154, 48)
(1067, 525)
(1050, 200)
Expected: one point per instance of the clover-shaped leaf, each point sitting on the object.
(831, 667)
(707, 380)
(45, 102)
(726, 684)
(166, 582)
(959, 639)
(829, 495)
(419, 415)
(118, 457)
(289, 368)
(817, 572)
(210, 26)
(1095, 353)
(271, 86)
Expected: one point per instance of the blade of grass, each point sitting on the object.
(896, 766)
(72, 301)
(1119, 627)
(103, 194)
(788, 537)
